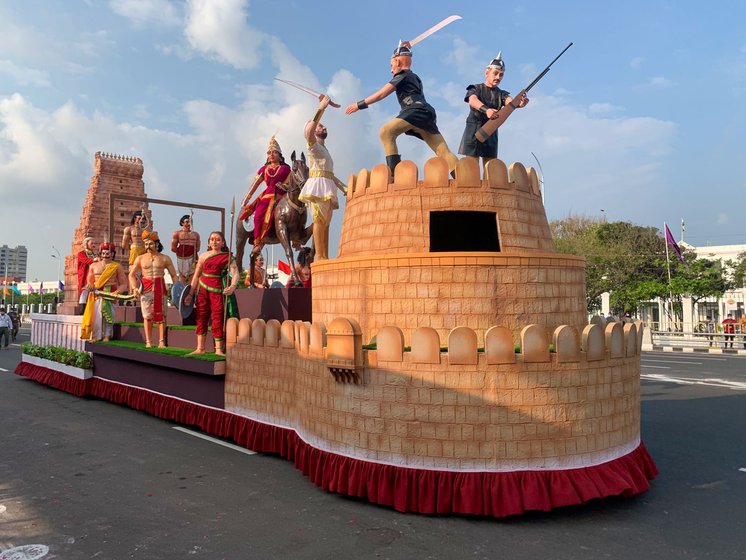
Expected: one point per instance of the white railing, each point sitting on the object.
(57, 330)
(698, 335)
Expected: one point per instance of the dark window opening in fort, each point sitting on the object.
(459, 230)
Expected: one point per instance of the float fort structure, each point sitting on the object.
(448, 366)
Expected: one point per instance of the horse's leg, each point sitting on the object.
(306, 234)
(252, 262)
(282, 234)
(241, 238)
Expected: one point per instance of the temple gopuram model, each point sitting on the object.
(447, 365)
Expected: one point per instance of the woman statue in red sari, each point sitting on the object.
(275, 174)
(211, 279)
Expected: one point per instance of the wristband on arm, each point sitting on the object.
(362, 104)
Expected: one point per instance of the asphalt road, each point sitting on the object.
(84, 478)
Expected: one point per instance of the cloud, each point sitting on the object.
(25, 49)
(466, 59)
(636, 63)
(218, 30)
(603, 108)
(148, 12)
(593, 156)
(24, 76)
(656, 82)
(722, 219)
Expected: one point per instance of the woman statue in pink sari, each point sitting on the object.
(275, 174)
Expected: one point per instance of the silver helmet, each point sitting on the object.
(497, 62)
(401, 50)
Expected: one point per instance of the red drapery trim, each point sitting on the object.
(495, 494)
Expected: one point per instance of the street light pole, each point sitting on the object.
(58, 256)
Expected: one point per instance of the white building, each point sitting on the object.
(710, 310)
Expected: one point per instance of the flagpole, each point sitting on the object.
(668, 268)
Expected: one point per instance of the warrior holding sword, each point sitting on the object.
(105, 276)
(417, 117)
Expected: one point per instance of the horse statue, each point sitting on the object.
(289, 218)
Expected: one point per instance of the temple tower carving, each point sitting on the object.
(116, 174)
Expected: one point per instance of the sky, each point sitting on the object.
(642, 120)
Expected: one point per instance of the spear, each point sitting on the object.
(230, 259)
(191, 224)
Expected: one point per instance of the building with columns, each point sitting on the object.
(704, 311)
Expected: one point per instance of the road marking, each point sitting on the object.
(709, 381)
(742, 469)
(672, 362)
(700, 356)
(25, 552)
(215, 440)
(3, 369)
(656, 367)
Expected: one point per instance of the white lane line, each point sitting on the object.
(710, 382)
(3, 369)
(671, 362)
(700, 356)
(214, 440)
(656, 367)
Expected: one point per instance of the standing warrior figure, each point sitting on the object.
(107, 276)
(320, 191)
(186, 244)
(485, 100)
(275, 173)
(260, 273)
(152, 266)
(417, 117)
(131, 238)
(85, 259)
(211, 279)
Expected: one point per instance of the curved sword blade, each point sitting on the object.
(307, 90)
(433, 29)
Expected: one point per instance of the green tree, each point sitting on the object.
(738, 268)
(622, 258)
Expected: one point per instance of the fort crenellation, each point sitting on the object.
(444, 252)
(444, 408)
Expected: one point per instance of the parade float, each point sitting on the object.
(445, 364)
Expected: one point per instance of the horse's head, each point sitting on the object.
(299, 168)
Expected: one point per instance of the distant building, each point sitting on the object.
(13, 262)
(707, 310)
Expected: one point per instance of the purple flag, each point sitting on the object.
(60, 285)
(670, 240)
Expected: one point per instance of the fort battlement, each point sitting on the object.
(443, 252)
(439, 214)
(459, 409)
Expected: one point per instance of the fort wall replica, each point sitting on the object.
(448, 366)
